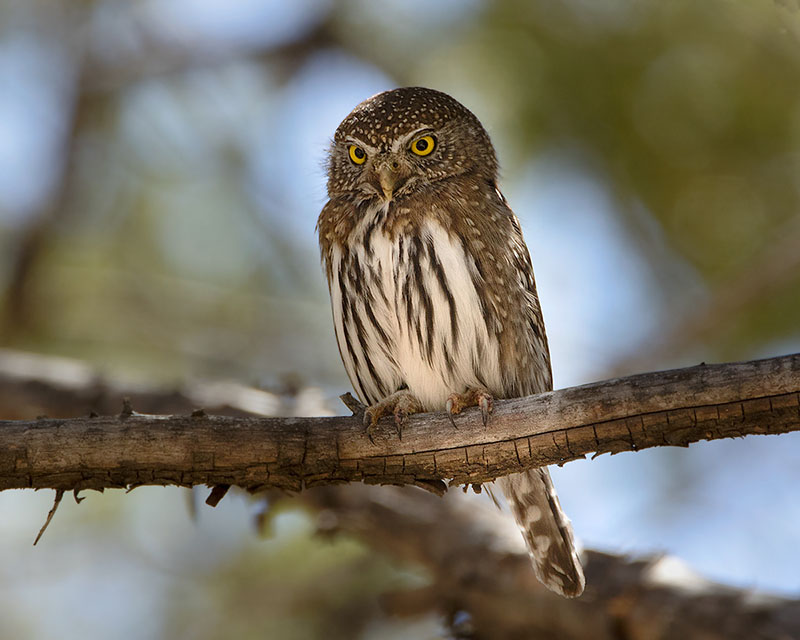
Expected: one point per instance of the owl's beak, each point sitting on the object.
(390, 179)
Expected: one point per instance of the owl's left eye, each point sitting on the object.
(423, 146)
(357, 154)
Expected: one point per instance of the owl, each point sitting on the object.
(432, 289)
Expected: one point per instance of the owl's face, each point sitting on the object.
(403, 141)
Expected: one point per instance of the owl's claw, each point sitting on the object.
(400, 405)
(368, 419)
(370, 430)
(449, 409)
(371, 418)
(476, 397)
(485, 403)
(399, 420)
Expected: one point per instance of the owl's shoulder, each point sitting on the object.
(478, 213)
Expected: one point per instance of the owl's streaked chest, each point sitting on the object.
(407, 312)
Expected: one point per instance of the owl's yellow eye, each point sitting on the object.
(357, 154)
(423, 146)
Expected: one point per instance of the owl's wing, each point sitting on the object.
(505, 283)
(533, 375)
(526, 368)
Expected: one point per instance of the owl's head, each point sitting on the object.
(402, 141)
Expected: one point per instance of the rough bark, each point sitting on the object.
(675, 407)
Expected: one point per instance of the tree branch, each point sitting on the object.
(481, 579)
(675, 408)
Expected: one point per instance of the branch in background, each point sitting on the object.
(162, 57)
(99, 80)
(34, 385)
(17, 313)
(481, 578)
(655, 409)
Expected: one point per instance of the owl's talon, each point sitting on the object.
(400, 405)
(448, 407)
(485, 403)
(370, 419)
(476, 397)
(399, 419)
(452, 420)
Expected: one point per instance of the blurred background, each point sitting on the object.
(161, 171)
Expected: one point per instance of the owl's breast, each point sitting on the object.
(408, 313)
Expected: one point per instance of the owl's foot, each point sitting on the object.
(475, 397)
(400, 404)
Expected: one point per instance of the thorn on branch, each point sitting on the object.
(217, 494)
(56, 502)
(78, 499)
(477, 488)
(199, 413)
(93, 414)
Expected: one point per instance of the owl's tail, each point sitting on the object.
(546, 529)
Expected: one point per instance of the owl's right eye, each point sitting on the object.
(357, 154)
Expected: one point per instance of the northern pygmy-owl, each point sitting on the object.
(432, 289)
